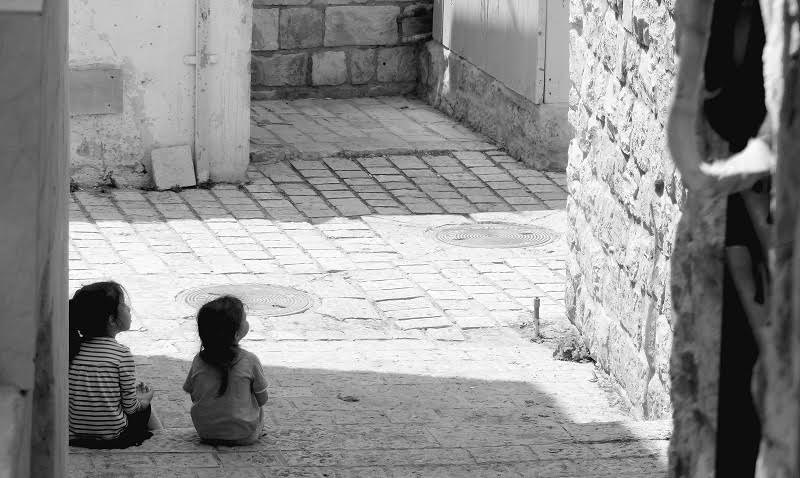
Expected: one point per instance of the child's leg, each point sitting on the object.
(154, 423)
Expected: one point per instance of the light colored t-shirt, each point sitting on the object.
(236, 415)
(102, 389)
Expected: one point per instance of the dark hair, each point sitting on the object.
(218, 322)
(89, 310)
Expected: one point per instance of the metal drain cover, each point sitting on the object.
(495, 235)
(271, 300)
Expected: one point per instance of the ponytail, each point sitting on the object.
(218, 322)
(222, 360)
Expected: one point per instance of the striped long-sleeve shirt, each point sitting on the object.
(102, 389)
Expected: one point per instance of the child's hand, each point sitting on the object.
(144, 392)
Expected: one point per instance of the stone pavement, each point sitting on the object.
(409, 361)
(315, 128)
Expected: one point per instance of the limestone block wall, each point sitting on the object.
(332, 48)
(625, 197)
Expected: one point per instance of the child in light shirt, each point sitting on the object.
(226, 382)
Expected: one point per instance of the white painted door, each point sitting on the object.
(172, 93)
(222, 134)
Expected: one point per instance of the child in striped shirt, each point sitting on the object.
(107, 409)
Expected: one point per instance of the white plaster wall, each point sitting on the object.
(147, 40)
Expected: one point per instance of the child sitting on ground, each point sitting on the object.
(107, 409)
(226, 382)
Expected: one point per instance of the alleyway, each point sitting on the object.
(406, 357)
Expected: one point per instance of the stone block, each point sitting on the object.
(361, 25)
(301, 28)
(595, 326)
(445, 334)
(629, 366)
(347, 308)
(329, 68)
(265, 29)
(290, 69)
(173, 167)
(279, 3)
(397, 64)
(362, 66)
(423, 323)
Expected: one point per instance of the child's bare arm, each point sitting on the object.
(187, 384)
(262, 397)
(259, 383)
(145, 394)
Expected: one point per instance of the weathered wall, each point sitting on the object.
(487, 67)
(147, 42)
(138, 84)
(33, 158)
(342, 48)
(625, 197)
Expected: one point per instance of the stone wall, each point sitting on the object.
(536, 134)
(333, 48)
(625, 197)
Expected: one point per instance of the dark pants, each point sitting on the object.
(134, 434)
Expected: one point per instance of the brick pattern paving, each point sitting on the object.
(340, 218)
(421, 334)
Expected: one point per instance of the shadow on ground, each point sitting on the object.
(338, 423)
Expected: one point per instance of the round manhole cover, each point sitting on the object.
(271, 300)
(493, 235)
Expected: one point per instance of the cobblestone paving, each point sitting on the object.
(409, 362)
